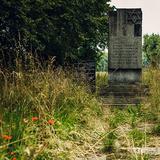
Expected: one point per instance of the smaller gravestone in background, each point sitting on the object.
(125, 57)
(85, 71)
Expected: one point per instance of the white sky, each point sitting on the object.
(150, 9)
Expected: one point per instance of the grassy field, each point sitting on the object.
(45, 115)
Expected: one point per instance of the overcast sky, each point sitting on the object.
(150, 9)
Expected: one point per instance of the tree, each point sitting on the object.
(102, 61)
(65, 29)
(151, 49)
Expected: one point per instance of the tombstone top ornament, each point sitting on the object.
(134, 16)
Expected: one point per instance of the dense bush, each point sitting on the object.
(57, 28)
(151, 49)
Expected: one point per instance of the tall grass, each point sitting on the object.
(46, 115)
(101, 79)
(151, 77)
(133, 128)
(42, 113)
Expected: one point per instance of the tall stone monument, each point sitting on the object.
(124, 57)
(125, 46)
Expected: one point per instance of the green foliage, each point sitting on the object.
(109, 142)
(134, 113)
(61, 28)
(152, 78)
(151, 49)
(138, 137)
(156, 130)
(102, 62)
(150, 116)
(117, 119)
(129, 115)
(141, 157)
(101, 79)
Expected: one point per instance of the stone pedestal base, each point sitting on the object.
(124, 76)
(123, 94)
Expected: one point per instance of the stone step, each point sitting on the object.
(121, 94)
(124, 90)
(120, 100)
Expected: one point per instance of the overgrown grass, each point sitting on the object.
(101, 79)
(44, 114)
(152, 78)
(136, 126)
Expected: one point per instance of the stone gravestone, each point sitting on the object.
(125, 46)
(124, 57)
(84, 71)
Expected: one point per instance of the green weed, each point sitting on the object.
(156, 130)
(140, 157)
(109, 142)
(138, 137)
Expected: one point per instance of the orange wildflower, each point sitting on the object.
(34, 118)
(14, 158)
(6, 137)
(51, 122)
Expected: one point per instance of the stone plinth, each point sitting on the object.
(123, 94)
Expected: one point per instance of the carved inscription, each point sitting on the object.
(124, 54)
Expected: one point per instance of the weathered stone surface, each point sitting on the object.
(125, 46)
(124, 90)
(144, 150)
(120, 94)
(125, 76)
(125, 53)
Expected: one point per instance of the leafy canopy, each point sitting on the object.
(71, 29)
(151, 48)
